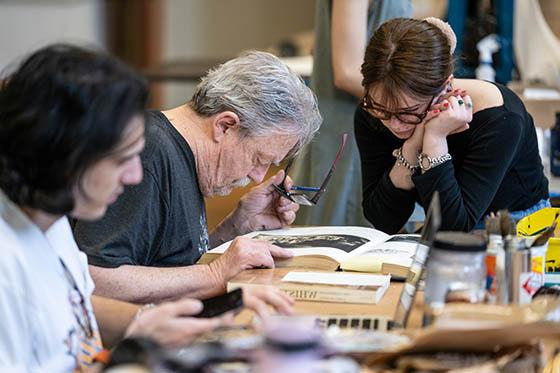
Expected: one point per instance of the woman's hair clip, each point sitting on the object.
(447, 31)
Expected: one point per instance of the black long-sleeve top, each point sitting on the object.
(495, 165)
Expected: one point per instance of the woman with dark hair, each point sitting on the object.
(420, 130)
(71, 130)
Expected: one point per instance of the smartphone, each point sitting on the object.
(221, 304)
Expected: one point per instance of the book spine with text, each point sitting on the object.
(319, 293)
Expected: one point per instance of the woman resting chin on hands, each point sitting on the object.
(420, 130)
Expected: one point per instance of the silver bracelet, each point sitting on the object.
(427, 163)
(401, 160)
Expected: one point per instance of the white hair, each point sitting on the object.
(268, 97)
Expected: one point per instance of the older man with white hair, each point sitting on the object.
(247, 114)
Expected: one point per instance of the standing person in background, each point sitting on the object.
(342, 30)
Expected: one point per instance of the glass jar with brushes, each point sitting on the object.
(455, 272)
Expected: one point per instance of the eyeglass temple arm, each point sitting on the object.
(331, 171)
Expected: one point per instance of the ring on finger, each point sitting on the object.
(460, 102)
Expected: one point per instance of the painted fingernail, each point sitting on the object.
(446, 104)
(460, 102)
(435, 111)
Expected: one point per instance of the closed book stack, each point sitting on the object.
(335, 287)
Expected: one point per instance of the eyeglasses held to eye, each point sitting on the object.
(377, 111)
(304, 199)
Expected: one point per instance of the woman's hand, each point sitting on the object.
(413, 145)
(455, 115)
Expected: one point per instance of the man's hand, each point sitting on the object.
(170, 325)
(264, 208)
(246, 253)
(267, 299)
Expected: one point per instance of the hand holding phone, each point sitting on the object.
(221, 304)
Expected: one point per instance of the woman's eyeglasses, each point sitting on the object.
(79, 308)
(304, 199)
(379, 112)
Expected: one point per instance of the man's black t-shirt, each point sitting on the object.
(159, 222)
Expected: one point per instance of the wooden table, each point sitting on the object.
(386, 307)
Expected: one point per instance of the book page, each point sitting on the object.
(398, 250)
(336, 254)
(332, 241)
(398, 247)
(336, 278)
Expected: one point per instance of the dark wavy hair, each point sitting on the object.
(63, 109)
(406, 55)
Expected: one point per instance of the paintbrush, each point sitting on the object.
(492, 225)
(507, 225)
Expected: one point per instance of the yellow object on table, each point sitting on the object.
(535, 224)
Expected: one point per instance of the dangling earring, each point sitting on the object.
(449, 88)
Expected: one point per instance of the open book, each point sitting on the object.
(330, 248)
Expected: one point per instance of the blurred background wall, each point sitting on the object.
(149, 32)
(195, 29)
(26, 25)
